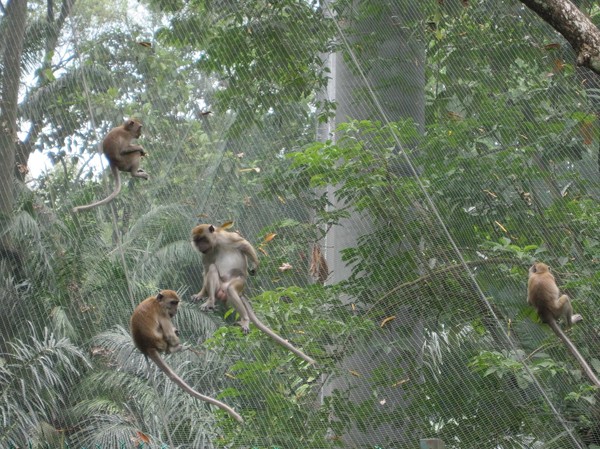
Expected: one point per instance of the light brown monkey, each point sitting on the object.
(122, 155)
(224, 257)
(153, 332)
(543, 294)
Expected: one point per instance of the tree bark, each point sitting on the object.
(575, 27)
(16, 17)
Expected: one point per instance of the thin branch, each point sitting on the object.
(446, 269)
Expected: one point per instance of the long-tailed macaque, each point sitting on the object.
(543, 294)
(224, 257)
(153, 332)
(122, 155)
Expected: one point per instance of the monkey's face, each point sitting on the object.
(202, 237)
(169, 300)
(538, 268)
(202, 244)
(134, 127)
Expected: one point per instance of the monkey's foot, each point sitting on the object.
(207, 306)
(195, 298)
(245, 327)
(576, 318)
(142, 174)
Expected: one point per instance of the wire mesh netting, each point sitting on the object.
(398, 167)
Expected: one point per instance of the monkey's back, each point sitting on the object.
(542, 294)
(118, 139)
(143, 328)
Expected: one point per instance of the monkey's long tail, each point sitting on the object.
(156, 358)
(109, 198)
(569, 344)
(273, 335)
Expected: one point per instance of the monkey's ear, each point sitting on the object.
(159, 296)
(211, 229)
(533, 268)
(130, 124)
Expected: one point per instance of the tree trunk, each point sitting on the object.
(26, 147)
(397, 79)
(16, 17)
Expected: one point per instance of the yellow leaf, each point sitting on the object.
(270, 236)
(387, 320)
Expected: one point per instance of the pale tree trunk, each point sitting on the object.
(576, 28)
(400, 55)
(16, 17)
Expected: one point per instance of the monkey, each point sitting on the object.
(122, 155)
(224, 259)
(543, 295)
(153, 333)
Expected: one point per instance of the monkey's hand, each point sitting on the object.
(245, 327)
(197, 297)
(175, 348)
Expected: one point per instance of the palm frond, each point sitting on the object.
(36, 35)
(171, 222)
(61, 324)
(140, 395)
(170, 258)
(24, 225)
(35, 381)
(35, 106)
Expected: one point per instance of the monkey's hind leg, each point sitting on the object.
(233, 298)
(212, 282)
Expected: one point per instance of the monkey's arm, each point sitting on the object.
(571, 347)
(169, 334)
(203, 291)
(248, 250)
(131, 148)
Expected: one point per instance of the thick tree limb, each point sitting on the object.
(575, 27)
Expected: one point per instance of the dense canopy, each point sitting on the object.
(398, 166)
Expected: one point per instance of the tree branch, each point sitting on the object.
(575, 27)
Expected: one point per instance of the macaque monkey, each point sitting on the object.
(153, 332)
(224, 257)
(543, 294)
(122, 155)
